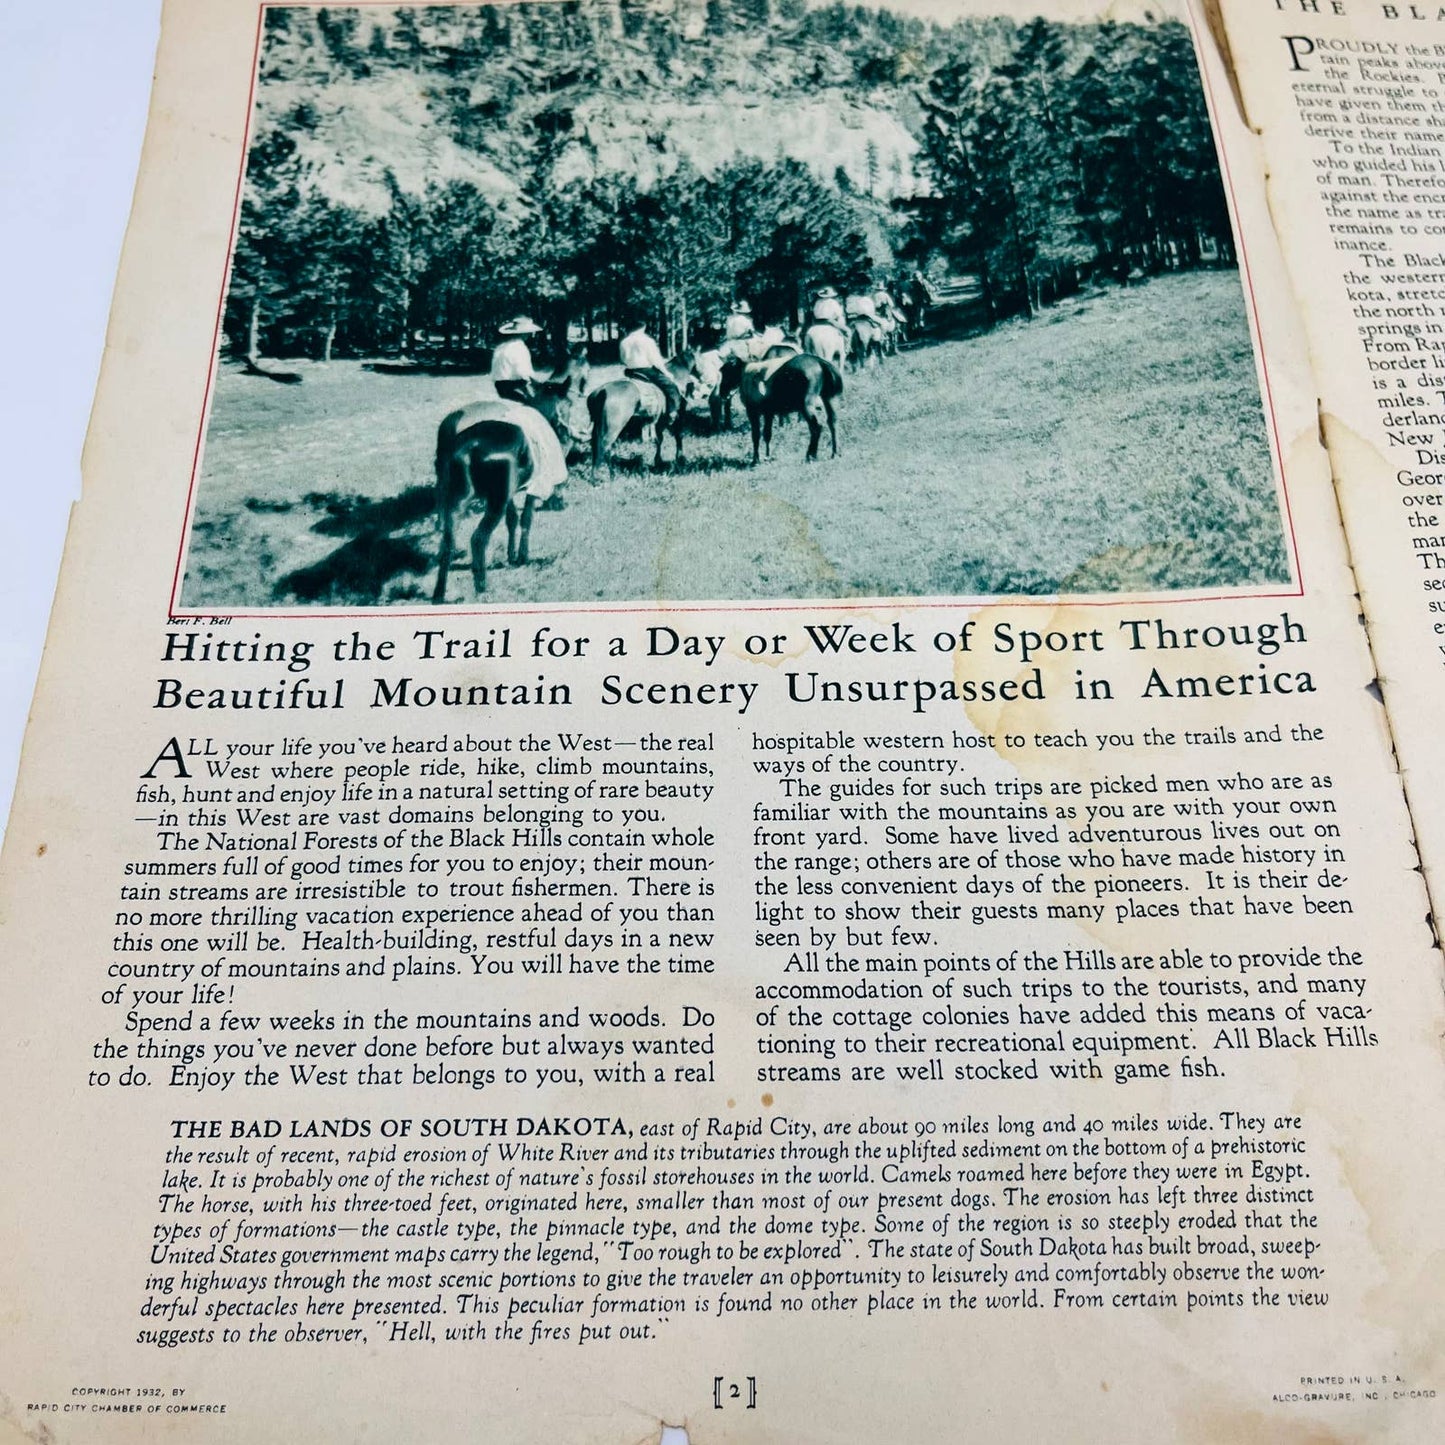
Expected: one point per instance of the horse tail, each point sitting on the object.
(832, 380)
(752, 385)
(493, 477)
(443, 461)
(446, 500)
(451, 489)
(447, 433)
(597, 411)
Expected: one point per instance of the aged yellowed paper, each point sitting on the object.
(891, 910)
(1348, 106)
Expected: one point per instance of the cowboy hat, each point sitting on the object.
(741, 308)
(826, 293)
(519, 326)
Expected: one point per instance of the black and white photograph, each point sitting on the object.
(728, 300)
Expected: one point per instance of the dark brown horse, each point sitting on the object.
(484, 454)
(486, 458)
(720, 372)
(804, 384)
(720, 403)
(615, 404)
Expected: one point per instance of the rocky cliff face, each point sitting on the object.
(485, 96)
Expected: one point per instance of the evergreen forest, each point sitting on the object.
(416, 176)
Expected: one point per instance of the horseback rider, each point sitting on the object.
(886, 306)
(513, 375)
(643, 361)
(887, 314)
(921, 296)
(739, 325)
(829, 309)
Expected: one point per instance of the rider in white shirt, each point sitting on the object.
(827, 307)
(512, 372)
(739, 325)
(641, 358)
(638, 351)
(888, 312)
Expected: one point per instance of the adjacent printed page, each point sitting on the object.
(706, 765)
(1348, 100)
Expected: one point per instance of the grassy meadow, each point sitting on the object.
(1115, 444)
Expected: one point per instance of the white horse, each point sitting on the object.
(826, 342)
(756, 346)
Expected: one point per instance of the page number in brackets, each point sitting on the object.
(744, 1390)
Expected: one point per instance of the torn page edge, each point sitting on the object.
(1327, 423)
(1213, 18)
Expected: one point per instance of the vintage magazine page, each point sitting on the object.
(1348, 102)
(707, 766)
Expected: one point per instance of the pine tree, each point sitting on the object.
(1050, 155)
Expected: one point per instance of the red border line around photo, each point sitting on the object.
(875, 604)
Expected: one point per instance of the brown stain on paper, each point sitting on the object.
(755, 513)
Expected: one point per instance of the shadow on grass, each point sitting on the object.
(475, 367)
(371, 558)
(353, 515)
(689, 465)
(357, 572)
(367, 568)
(712, 466)
(624, 464)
